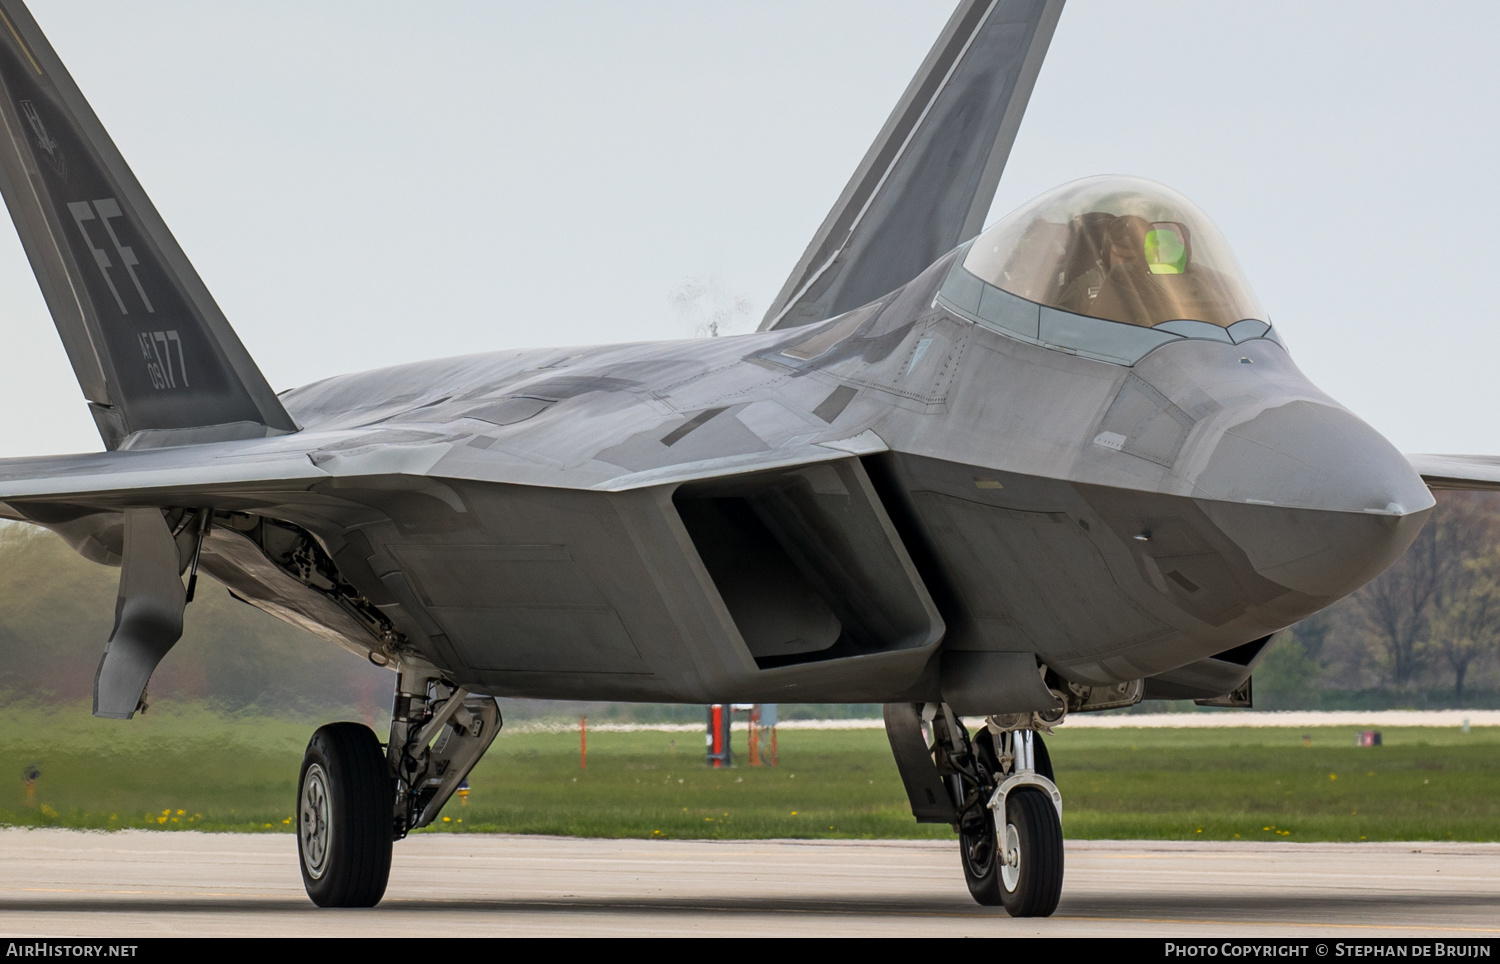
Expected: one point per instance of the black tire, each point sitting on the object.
(980, 854)
(1043, 758)
(979, 847)
(1033, 885)
(344, 820)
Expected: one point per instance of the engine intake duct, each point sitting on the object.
(808, 564)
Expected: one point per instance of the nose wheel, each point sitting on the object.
(1031, 854)
(1010, 838)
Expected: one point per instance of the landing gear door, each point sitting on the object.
(930, 800)
(148, 615)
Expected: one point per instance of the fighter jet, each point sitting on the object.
(986, 477)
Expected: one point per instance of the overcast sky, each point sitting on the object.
(362, 184)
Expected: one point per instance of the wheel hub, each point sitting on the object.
(314, 826)
(979, 851)
(1010, 861)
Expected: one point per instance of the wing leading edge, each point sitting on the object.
(926, 183)
(1475, 473)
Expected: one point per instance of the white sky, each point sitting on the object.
(362, 184)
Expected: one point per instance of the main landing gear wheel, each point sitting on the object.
(1031, 855)
(344, 821)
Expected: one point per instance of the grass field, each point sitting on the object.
(193, 769)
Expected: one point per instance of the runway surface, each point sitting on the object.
(139, 883)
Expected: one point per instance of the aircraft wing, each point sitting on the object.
(263, 471)
(1476, 473)
(148, 478)
(926, 183)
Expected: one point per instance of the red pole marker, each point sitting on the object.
(583, 742)
(717, 737)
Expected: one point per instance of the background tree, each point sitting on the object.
(1287, 678)
(1397, 607)
(1466, 621)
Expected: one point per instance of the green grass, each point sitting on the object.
(184, 769)
(1423, 784)
(193, 769)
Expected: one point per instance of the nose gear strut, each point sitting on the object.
(996, 790)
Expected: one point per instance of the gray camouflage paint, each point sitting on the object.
(519, 516)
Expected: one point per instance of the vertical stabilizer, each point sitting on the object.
(153, 353)
(927, 182)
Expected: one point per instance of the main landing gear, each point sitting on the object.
(996, 789)
(355, 797)
(343, 817)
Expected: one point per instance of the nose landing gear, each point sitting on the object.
(1010, 831)
(1000, 797)
(1025, 812)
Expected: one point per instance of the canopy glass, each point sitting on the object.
(1124, 249)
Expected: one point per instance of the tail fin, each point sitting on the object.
(153, 353)
(928, 180)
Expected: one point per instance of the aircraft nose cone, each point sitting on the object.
(1310, 455)
(1319, 501)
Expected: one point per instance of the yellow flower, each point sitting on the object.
(447, 819)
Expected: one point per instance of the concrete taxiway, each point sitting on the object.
(135, 883)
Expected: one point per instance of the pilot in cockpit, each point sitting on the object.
(1124, 281)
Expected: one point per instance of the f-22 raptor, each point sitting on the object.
(1056, 466)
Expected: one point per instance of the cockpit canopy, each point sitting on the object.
(1124, 249)
(1108, 267)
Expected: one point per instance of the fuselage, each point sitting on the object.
(653, 521)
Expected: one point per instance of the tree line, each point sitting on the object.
(1429, 623)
